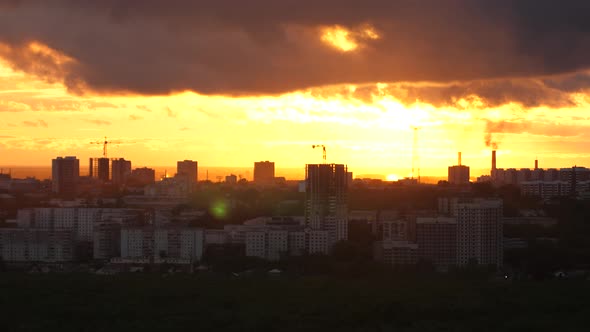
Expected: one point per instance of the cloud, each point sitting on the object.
(493, 128)
(38, 123)
(552, 92)
(98, 122)
(269, 47)
(135, 117)
(170, 112)
(43, 144)
(143, 108)
(23, 94)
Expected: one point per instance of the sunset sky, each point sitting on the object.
(232, 82)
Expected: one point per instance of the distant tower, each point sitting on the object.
(65, 174)
(326, 205)
(493, 160)
(493, 172)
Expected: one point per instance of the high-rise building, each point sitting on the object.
(264, 172)
(326, 202)
(187, 169)
(65, 174)
(99, 168)
(437, 241)
(120, 171)
(479, 231)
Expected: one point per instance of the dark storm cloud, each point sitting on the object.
(269, 46)
(529, 92)
(492, 93)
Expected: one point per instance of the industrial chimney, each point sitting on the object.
(536, 164)
(459, 159)
(493, 160)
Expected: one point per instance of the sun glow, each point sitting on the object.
(339, 38)
(392, 177)
(347, 40)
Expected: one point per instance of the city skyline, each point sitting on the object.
(432, 175)
(57, 94)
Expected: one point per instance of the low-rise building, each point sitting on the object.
(396, 252)
(36, 245)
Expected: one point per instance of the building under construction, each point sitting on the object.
(104, 169)
(326, 204)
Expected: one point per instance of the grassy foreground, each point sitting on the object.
(77, 302)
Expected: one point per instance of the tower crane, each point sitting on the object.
(104, 145)
(323, 150)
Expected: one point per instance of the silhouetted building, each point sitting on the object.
(143, 176)
(188, 169)
(99, 168)
(120, 171)
(459, 174)
(231, 179)
(25, 185)
(65, 174)
(5, 180)
(264, 172)
(326, 204)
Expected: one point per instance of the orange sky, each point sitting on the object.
(42, 120)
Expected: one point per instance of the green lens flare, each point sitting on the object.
(219, 209)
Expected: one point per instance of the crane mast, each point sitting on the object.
(105, 144)
(323, 150)
(415, 157)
